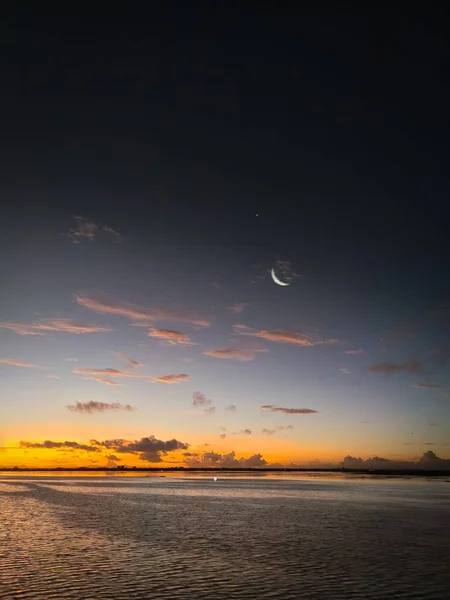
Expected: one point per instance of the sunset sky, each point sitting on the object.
(152, 178)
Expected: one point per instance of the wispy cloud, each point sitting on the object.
(427, 386)
(210, 411)
(107, 305)
(131, 363)
(230, 408)
(51, 377)
(246, 432)
(170, 337)
(288, 411)
(98, 407)
(72, 359)
(47, 325)
(234, 353)
(389, 367)
(238, 307)
(283, 336)
(85, 229)
(103, 380)
(345, 371)
(48, 444)
(358, 351)
(18, 363)
(276, 429)
(171, 378)
(199, 399)
(108, 373)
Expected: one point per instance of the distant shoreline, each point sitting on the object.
(406, 472)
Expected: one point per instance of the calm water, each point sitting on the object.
(177, 538)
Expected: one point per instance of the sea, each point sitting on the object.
(293, 537)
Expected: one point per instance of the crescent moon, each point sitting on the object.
(275, 278)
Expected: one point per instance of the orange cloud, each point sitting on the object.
(288, 411)
(234, 353)
(108, 373)
(172, 378)
(238, 307)
(359, 351)
(103, 380)
(18, 363)
(173, 338)
(93, 407)
(110, 306)
(61, 325)
(283, 336)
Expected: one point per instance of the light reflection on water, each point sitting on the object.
(182, 538)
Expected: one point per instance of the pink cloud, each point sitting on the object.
(238, 307)
(18, 363)
(89, 230)
(59, 325)
(172, 338)
(358, 351)
(110, 306)
(131, 363)
(233, 353)
(283, 336)
(172, 378)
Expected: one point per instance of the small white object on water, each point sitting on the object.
(214, 478)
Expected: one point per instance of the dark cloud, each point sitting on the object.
(288, 411)
(199, 399)
(149, 448)
(93, 407)
(48, 444)
(210, 411)
(429, 460)
(230, 461)
(389, 367)
(230, 408)
(277, 428)
(246, 432)
(113, 457)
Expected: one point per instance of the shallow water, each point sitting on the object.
(155, 538)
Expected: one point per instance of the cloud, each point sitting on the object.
(210, 411)
(429, 460)
(389, 367)
(345, 371)
(277, 428)
(359, 351)
(106, 305)
(93, 407)
(171, 378)
(246, 432)
(199, 399)
(170, 337)
(58, 325)
(230, 461)
(103, 380)
(131, 363)
(234, 353)
(51, 377)
(113, 457)
(430, 444)
(72, 359)
(283, 336)
(427, 386)
(18, 363)
(238, 307)
(230, 408)
(48, 444)
(102, 373)
(89, 230)
(288, 411)
(149, 448)
(433, 424)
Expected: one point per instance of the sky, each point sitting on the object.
(157, 172)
